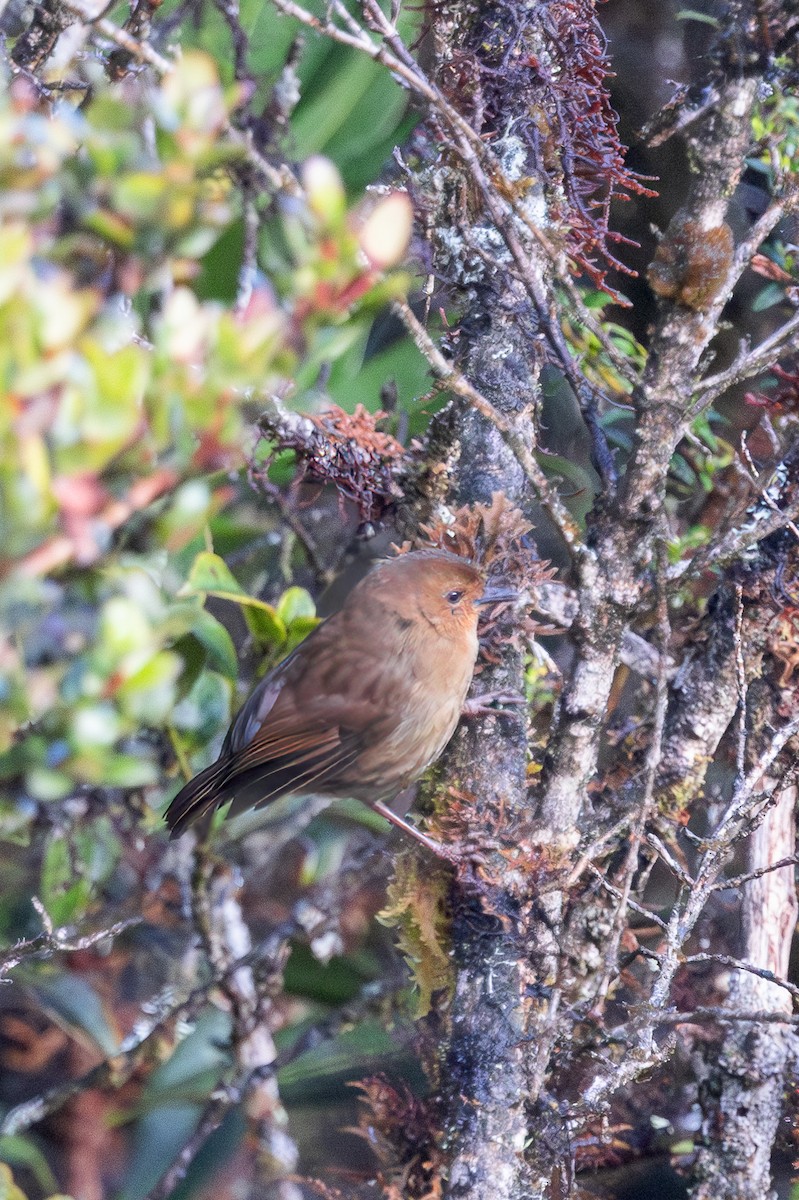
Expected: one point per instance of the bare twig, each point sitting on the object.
(728, 546)
(736, 881)
(727, 960)
(646, 804)
(59, 941)
(740, 670)
(724, 1016)
(115, 1071)
(738, 815)
(665, 855)
(456, 382)
(143, 51)
(225, 938)
(505, 211)
(747, 364)
(624, 899)
(606, 838)
(212, 1116)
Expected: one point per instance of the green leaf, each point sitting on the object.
(295, 603)
(218, 643)
(194, 655)
(210, 573)
(47, 785)
(211, 576)
(334, 982)
(299, 630)
(771, 294)
(22, 1152)
(206, 709)
(350, 1055)
(140, 195)
(693, 14)
(148, 695)
(76, 1002)
(319, 117)
(65, 907)
(265, 625)
(56, 871)
(270, 35)
(127, 771)
(8, 1189)
(172, 1101)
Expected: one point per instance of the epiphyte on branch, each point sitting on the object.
(692, 261)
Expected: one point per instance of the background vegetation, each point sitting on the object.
(227, 383)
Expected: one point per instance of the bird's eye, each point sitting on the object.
(453, 597)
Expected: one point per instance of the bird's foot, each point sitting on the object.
(483, 706)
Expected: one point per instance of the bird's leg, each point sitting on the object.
(435, 847)
(463, 859)
(481, 706)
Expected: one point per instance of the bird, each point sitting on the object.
(364, 704)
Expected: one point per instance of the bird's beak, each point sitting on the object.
(495, 595)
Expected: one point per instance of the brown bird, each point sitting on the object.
(364, 704)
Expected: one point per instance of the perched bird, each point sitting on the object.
(364, 704)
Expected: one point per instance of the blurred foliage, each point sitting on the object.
(114, 374)
(137, 346)
(349, 108)
(9, 1189)
(595, 361)
(704, 454)
(152, 303)
(776, 129)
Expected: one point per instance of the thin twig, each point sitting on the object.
(665, 855)
(725, 548)
(727, 960)
(483, 166)
(751, 362)
(141, 50)
(625, 899)
(737, 810)
(249, 260)
(740, 671)
(723, 1016)
(603, 839)
(767, 499)
(113, 1072)
(212, 1117)
(791, 860)
(279, 179)
(224, 936)
(454, 381)
(58, 941)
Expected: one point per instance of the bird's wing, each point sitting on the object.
(303, 726)
(285, 760)
(318, 691)
(258, 705)
(310, 729)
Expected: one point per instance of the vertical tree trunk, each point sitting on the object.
(745, 1084)
(485, 1073)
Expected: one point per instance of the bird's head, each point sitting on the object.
(440, 589)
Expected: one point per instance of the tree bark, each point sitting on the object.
(744, 1085)
(485, 1071)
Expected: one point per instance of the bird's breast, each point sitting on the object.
(426, 705)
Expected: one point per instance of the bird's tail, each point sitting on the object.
(198, 798)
